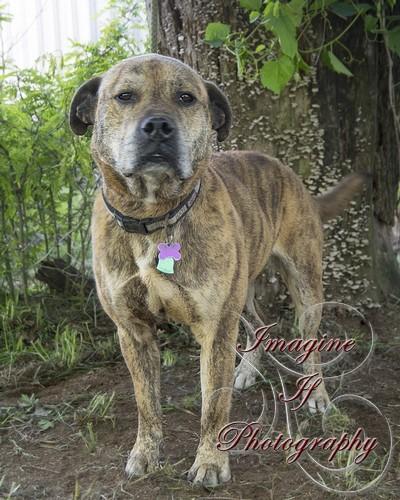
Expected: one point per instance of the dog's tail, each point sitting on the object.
(333, 202)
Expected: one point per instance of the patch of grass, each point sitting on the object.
(106, 348)
(169, 358)
(65, 351)
(29, 412)
(18, 322)
(100, 408)
(192, 401)
(52, 337)
(89, 437)
(337, 422)
(358, 476)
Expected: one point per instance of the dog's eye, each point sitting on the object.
(125, 96)
(186, 99)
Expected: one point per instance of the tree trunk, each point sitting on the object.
(322, 126)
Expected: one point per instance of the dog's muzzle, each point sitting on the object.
(157, 144)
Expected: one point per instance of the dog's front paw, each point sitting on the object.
(142, 460)
(245, 376)
(319, 400)
(210, 469)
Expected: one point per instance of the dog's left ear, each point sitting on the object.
(83, 106)
(221, 114)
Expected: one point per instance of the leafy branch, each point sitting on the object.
(283, 27)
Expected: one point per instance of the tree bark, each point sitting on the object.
(322, 126)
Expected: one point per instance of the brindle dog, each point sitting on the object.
(153, 120)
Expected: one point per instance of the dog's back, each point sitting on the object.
(267, 177)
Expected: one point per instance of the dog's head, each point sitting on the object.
(152, 118)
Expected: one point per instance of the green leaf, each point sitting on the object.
(251, 4)
(370, 23)
(276, 74)
(260, 48)
(362, 7)
(294, 10)
(321, 4)
(268, 9)
(302, 65)
(216, 34)
(343, 9)
(254, 15)
(334, 63)
(285, 31)
(45, 424)
(393, 38)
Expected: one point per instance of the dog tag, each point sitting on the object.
(168, 253)
(166, 265)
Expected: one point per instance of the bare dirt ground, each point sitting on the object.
(54, 450)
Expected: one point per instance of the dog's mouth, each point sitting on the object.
(155, 158)
(157, 161)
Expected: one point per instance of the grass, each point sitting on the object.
(51, 338)
(57, 335)
(358, 476)
(66, 349)
(169, 358)
(100, 408)
(30, 413)
(89, 437)
(338, 421)
(60, 342)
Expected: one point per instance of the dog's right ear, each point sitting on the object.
(83, 106)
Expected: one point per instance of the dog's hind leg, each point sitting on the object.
(250, 363)
(141, 353)
(301, 269)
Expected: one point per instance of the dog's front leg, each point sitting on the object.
(217, 364)
(142, 356)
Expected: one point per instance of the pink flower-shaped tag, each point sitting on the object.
(169, 250)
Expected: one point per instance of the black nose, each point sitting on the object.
(158, 128)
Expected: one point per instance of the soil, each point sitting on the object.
(56, 464)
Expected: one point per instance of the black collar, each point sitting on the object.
(151, 224)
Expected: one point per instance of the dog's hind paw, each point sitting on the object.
(141, 462)
(245, 377)
(318, 401)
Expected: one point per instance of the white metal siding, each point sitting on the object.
(46, 26)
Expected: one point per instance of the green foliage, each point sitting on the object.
(276, 74)
(100, 408)
(217, 33)
(66, 350)
(334, 63)
(54, 336)
(168, 358)
(251, 5)
(46, 181)
(393, 37)
(284, 27)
